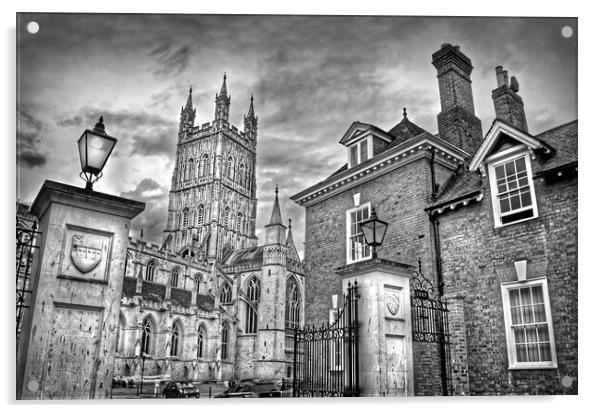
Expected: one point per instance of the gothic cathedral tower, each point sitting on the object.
(213, 203)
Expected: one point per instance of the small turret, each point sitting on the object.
(275, 232)
(251, 122)
(187, 114)
(222, 103)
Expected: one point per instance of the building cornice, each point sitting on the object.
(420, 146)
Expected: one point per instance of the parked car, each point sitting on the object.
(253, 389)
(123, 382)
(180, 390)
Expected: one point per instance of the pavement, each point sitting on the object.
(148, 391)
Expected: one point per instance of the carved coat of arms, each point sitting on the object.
(85, 258)
(393, 302)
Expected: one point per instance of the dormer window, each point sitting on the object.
(358, 153)
(512, 191)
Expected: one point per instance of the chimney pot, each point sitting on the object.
(506, 82)
(499, 75)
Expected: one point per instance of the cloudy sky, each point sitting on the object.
(311, 77)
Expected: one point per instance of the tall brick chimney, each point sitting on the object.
(457, 121)
(508, 104)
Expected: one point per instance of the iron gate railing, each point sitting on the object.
(430, 324)
(27, 238)
(326, 358)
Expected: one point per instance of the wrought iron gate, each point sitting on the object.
(430, 324)
(27, 238)
(326, 358)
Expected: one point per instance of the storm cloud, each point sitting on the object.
(311, 77)
(29, 140)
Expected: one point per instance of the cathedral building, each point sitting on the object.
(210, 303)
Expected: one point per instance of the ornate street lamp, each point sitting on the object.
(95, 147)
(374, 231)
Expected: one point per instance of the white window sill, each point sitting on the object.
(533, 367)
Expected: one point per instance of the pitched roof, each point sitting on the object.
(563, 139)
(404, 131)
(246, 256)
(461, 184)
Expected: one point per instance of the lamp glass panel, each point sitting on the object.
(81, 143)
(380, 228)
(369, 231)
(98, 149)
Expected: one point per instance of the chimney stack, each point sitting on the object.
(457, 121)
(508, 105)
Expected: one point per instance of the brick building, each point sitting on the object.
(493, 220)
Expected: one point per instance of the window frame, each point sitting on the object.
(225, 341)
(513, 364)
(253, 292)
(174, 280)
(146, 346)
(200, 350)
(227, 292)
(504, 157)
(348, 247)
(175, 338)
(358, 155)
(292, 311)
(151, 269)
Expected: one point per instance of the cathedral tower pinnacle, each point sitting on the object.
(251, 122)
(222, 103)
(187, 114)
(275, 231)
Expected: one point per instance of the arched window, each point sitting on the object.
(185, 217)
(175, 278)
(224, 341)
(120, 335)
(205, 165)
(292, 303)
(241, 174)
(190, 168)
(239, 222)
(200, 342)
(175, 339)
(150, 271)
(201, 215)
(147, 336)
(197, 283)
(225, 296)
(230, 168)
(226, 217)
(253, 290)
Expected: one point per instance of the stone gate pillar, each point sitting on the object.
(385, 326)
(70, 333)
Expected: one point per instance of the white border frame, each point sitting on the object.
(510, 344)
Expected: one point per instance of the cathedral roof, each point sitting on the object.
(246, 256)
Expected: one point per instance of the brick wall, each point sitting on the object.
(399, 198)
(477, 258)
